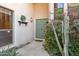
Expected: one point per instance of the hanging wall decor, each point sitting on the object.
(22, 20)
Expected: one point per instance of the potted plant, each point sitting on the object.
(23, 18)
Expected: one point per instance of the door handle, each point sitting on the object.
(8, 31)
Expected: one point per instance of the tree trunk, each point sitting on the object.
(66, 29)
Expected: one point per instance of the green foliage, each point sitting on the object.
(73, 47)
(23, 18)
(59, 10)
(59, 13)
(8, 52)
(50, 43)
(74, 39)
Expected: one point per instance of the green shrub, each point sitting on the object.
(8, 52)
(50, 43)
(74, 39)
(59, 15)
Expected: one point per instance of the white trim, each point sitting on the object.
(34, 28)
(38, 39)
(14, 38)
(5, 29)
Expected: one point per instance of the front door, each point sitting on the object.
(40, 26)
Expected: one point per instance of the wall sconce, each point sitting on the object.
(31, 19)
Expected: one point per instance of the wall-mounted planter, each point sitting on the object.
(21, 22)
(22, 18)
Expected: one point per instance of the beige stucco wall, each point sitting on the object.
(41, 10)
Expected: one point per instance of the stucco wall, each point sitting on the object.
(22, 34)
(41, 10)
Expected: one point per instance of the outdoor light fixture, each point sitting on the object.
(31, 19)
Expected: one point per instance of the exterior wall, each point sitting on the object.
(22, 34)
(73, 4)
(41, 10)
(73, 10)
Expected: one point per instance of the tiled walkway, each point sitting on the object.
(35, 48)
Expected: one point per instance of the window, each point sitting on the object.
(58, 11)
(73, 10)
(5, 18)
